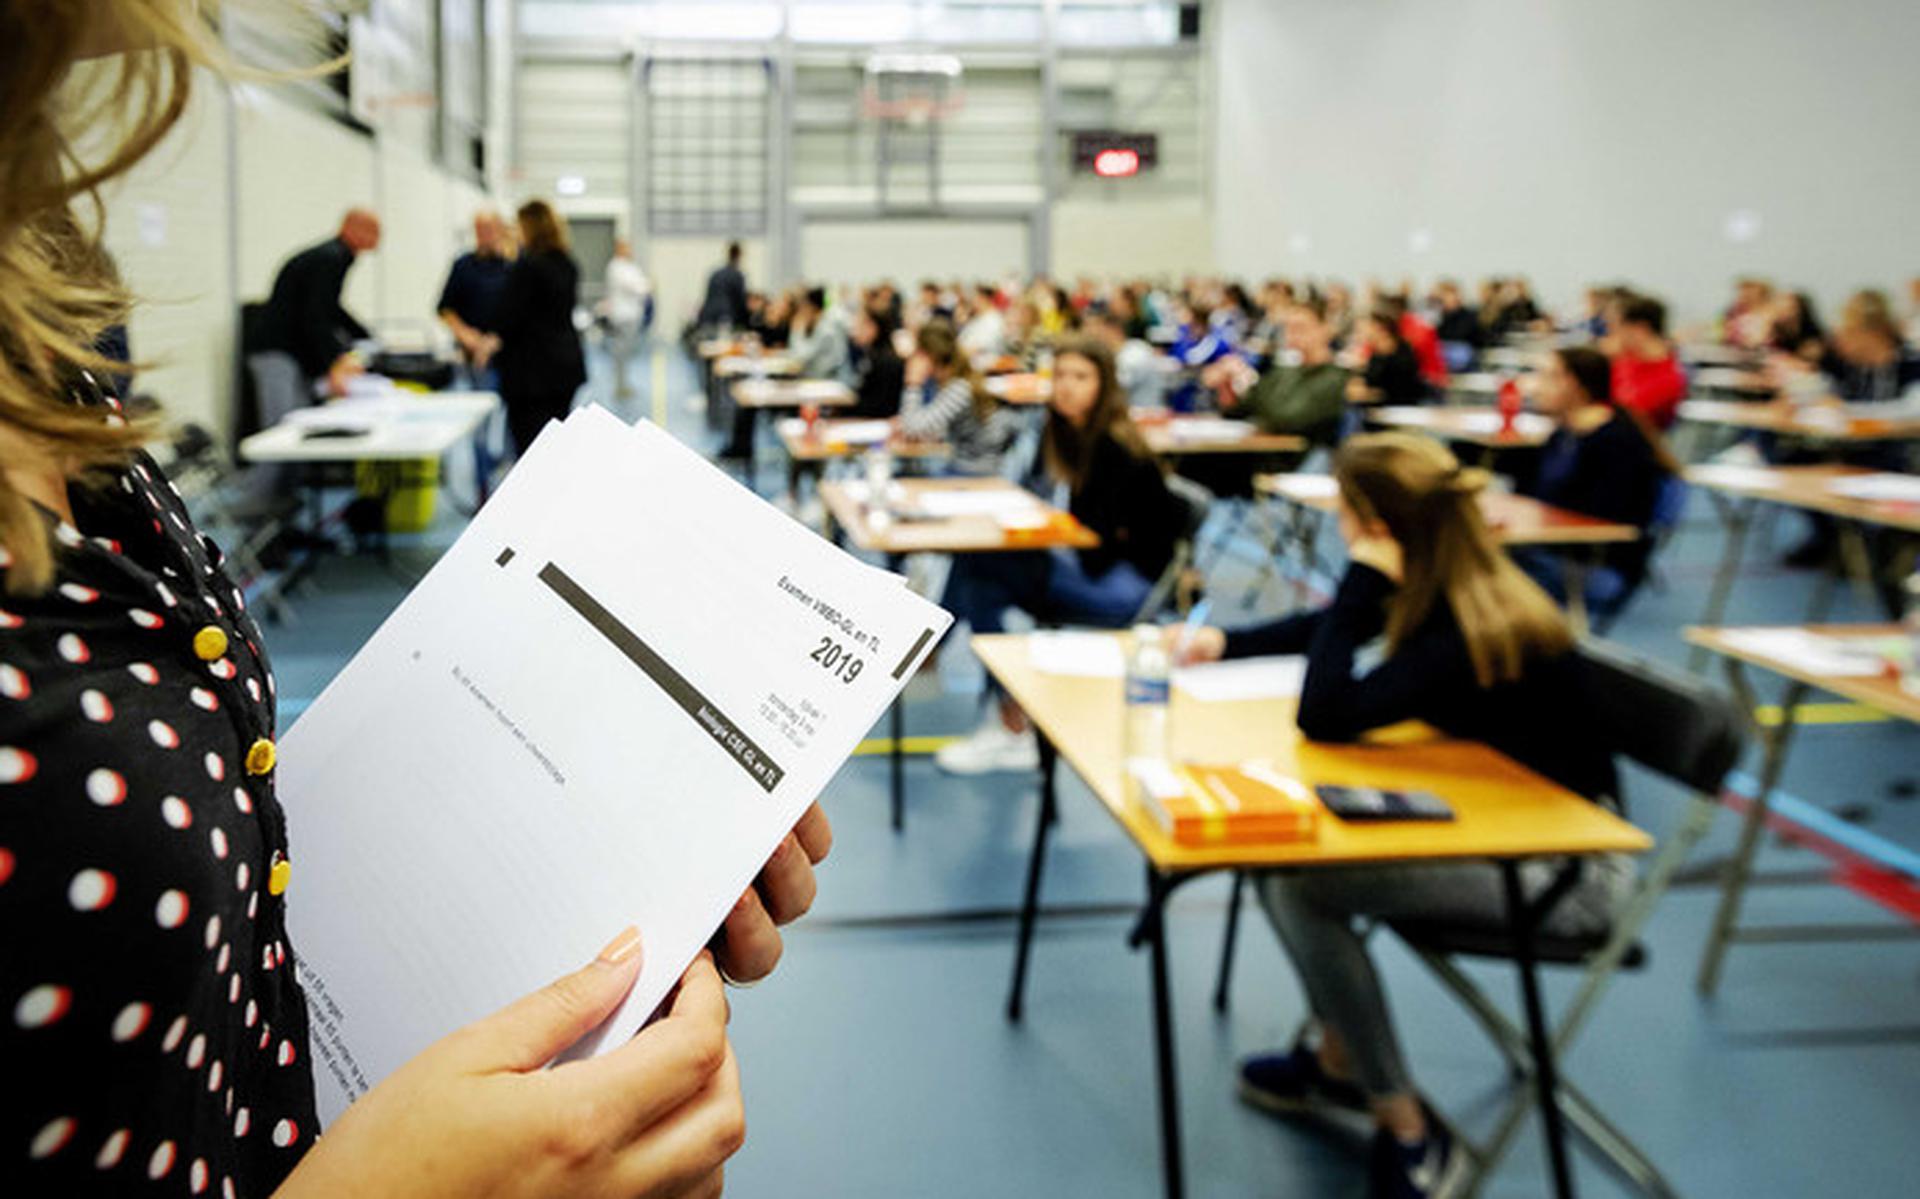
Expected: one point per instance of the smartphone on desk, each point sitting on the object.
(1375, 804)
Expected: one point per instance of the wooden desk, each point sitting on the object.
(1020, 389)
(792, 393)
(825, 444)
(1516, 520)
(1181, 436)
(1733, 381)
(397, 428)
(720, 347)
(1881, 692)
(770, 366)
(1469, 424)
(1850, 424)
(1738, 491)
(1713, 354)
(849, 510)
(1503, 812)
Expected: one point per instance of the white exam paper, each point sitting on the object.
(616, 724)
(1885, 487)
(1243, 679)
(1077, 655)
(1811, 652)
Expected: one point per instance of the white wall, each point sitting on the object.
(1571, 141)
(1125, 238)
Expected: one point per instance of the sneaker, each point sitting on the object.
(992, 748)
(1434, 1168)
(1292, 1086)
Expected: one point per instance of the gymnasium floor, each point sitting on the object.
(878, 1063)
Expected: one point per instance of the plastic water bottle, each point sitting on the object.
(1147, 695)
(1910, 680)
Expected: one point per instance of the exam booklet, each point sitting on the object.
(605, 705)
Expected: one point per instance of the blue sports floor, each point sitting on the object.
(878, 1064)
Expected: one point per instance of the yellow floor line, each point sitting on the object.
(911, 745)
(1826, 713)
(660, 387)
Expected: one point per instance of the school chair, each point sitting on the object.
(1197, 503)
(1678, 728)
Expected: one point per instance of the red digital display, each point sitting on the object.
(1114, 164)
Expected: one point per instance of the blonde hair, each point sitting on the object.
(1429, 503)
(61, 85)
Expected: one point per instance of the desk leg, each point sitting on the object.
(1036, 862)
(1740, 868)
(1224, 979)
(1575, 577)
(1540, 1038)
(897, 754)
(1153, 923)
(1739, 517)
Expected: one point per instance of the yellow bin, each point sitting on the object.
(409, 488)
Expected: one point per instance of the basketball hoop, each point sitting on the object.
(917, 111)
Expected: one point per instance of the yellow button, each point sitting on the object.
(210, 642)
(260, 756)
(279, 876)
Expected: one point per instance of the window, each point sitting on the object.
(707, 145)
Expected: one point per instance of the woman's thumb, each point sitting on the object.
(531, 1031)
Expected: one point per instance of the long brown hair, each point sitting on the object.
(941, 345)
(542, 229)
(1068, 451)
(70, 122)
(1429, 503)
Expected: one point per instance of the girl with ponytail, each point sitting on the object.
(1474, 648)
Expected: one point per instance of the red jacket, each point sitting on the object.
(1652, 387)
(1425, 344)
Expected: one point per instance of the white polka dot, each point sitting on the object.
(91, 890)
(144, 618)
(197, 1176)
(216, 766)
(175, 812)
(252, 1013)
(242, 1121)
(43, 1005)
(79, 594)
(72, 648)
(106, 787)
(163, 734)
(219, 839)
(223, 669)
(233, 988)
(161, 1162)
(166, 596)
(215, 1073)
(253, 689)
(242, 875)
(13, 682)
(285, 1133)
(131, 1022)
(175, 1031)
(95, 706)
(266, 963)
(221, 959)
(171, 910)
(17, 765)
(212, 934)
(52, 1138)
(253, 905)
(270, 688)
(229, 1101)
(196, 1050)
(204, 699)
(242, 800)
(266, 1034)
(226, 1188)
(112, 1150)
(9, 621)
(69, 536)
(144, 672)
(284, 1055)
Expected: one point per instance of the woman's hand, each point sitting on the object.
(476, 1113)
(1203, 645)
(749, 946)
(919, 369)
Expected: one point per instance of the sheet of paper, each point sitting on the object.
(1203, 428)
(1243, 679)
(1879, 488)
(992, 501)
(1526, 424)
(1082, 655)
(583, 717)
(1734, 478)
(1810, 652)
(1309, 487)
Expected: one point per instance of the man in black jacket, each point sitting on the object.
(304, 317)
(726, 300)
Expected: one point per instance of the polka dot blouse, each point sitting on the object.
(153, 1037)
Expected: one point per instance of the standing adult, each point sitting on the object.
(470, 301)
(625, 308)
(725, 305)
(541, 362)
(304, 317)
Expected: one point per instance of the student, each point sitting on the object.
(129, 1071)
(1391, 375)
(1138, 365)
(724, 307)
(470, 301)
(882, 372)
(1745, 322)
(303, 317)
(1867, 359)
(1305, 397)
(1458, 323)
(977, 428)
(1601, 461)
(985, 333)
(1421, 340)
(1647, 378)
(1795, 329)
(1116, 489)
(625, 308)
(541, 361)
(1475, 649)
(818, 341)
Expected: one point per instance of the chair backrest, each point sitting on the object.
(278, 384)
(1197, 501)
(1674, 724)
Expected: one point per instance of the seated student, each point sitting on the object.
(818, 341)
(1646, 376)
(1458, 324)
(1601, 461)
(1306, 397)
(1391, 375)
(1913, 311)
(1116, 489)
(1867, 359)
(1137, 364)
(976, 427)
(1795, 329)
(985, 333)
(1421, 340)
(1475, 649)
(883, 374)
(1745, 322)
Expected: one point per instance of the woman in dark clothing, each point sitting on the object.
(1602, 461)
(1392, 373)
(883, 373)
(1475, 649)
(1116, 489)
(541, 362)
